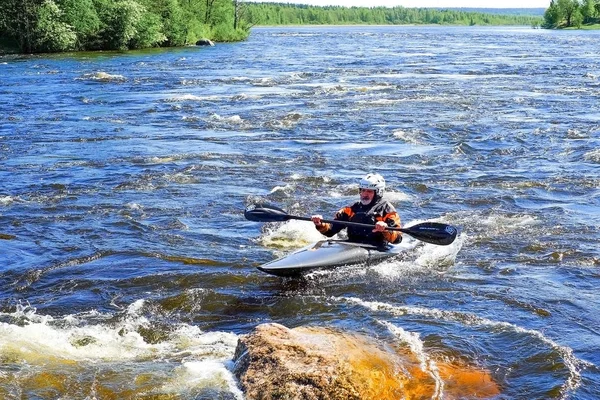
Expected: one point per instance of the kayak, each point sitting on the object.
(326, 254)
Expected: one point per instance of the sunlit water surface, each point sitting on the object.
(128, 269)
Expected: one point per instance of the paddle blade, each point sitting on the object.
(265, 213)
(433, 232)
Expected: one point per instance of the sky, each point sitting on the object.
(424, 3)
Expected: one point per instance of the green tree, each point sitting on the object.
(588, 11)
(119, 22)
(193, 14)
(209, 10)
(50, 33)
(171, 17)
(149, 32)
(221, 15)
(18, 19)
(240, 15)
(552, 16)
(569, 10)
(82, 16)
(563, 14)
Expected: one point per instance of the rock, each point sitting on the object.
(274, 362)
(205, 42)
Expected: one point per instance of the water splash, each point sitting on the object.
(291, 234)
(102, 76)
(416, 346)
(95, 347)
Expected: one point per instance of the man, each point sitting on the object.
(370, 209)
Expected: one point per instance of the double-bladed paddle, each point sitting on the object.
(430, 232)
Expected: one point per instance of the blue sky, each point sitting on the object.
(425, 3)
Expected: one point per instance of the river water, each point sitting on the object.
(129, 271)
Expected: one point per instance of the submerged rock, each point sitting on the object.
(274, 362)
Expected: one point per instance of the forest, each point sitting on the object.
(34, 26)
(572, 14)
(285, 14)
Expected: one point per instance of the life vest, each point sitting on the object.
(378, 210)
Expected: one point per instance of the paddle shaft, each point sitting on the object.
(348, 223)
(430, 232)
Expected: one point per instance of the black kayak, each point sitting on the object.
(326, 254)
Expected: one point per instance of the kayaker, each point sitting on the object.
(370, 209)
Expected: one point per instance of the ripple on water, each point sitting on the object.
(537, 363)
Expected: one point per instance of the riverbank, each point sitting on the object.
(592, 27)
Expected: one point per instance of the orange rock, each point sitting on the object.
(275, 362)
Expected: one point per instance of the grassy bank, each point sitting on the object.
(588, 27)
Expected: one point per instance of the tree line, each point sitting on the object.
(572, 13)
(64, 25)
(295, 14)
(69, 25)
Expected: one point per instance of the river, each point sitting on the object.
(129, 271)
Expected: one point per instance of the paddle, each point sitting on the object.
(430, 232)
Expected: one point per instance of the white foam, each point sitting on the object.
(291, 234)
(234, 119)
(323, 179)
(341, 274)
(346, 190)
(412, 136)
(43, 337)
(286, 190)
(135, 307)
(6, 200)
(592, 156)
(193, 376)
(497, 224)
(431, 255)
(415, 344)
(134, 206)
(394, 196)
(191, 97)
(193, 361)
(380, 102)
(39, 339)
(516, 221)
(104, 77)
(244, 97)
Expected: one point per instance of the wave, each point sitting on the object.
(101, 76)
(592, 156)
(102, 351)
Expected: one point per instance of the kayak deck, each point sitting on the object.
(330, 254)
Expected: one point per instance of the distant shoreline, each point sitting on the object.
(389, 25)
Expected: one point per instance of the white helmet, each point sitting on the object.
(374, 182)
